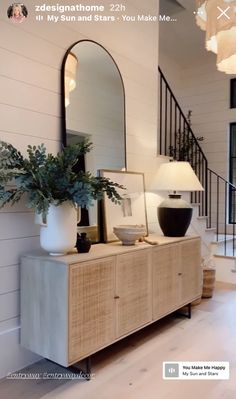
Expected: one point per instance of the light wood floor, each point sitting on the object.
(132, 368)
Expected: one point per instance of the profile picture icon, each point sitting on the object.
(17, 12)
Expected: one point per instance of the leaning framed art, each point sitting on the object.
(132, 210)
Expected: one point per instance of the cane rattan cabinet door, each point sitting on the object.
(133, 291)
(91, 307)
(85, 302)
(191, 279)
(166, 279)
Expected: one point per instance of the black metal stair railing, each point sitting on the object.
(220, 194)
(177, 140)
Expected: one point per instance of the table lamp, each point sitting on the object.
(174, 213)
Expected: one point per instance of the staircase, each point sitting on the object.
(211, 206)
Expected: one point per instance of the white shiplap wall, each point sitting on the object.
(206, 92)
(30, 61)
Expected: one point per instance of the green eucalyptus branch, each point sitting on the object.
(46, 179)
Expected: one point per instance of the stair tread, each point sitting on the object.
(222, 238)
(224, 256)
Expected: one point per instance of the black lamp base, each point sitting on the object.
(174, 215)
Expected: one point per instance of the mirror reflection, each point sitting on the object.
(94, 108)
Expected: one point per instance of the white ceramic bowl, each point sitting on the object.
(128, 234)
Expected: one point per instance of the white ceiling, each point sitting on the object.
(182, 40)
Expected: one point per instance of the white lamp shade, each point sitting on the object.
(177, 176)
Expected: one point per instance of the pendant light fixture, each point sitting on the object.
(218, 19)
(70, 76)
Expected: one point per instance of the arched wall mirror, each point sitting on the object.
(93, 106)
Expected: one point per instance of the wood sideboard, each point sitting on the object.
(72, 306)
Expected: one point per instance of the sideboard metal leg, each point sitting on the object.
(85, 373)
(88, 367)
(76, 369)
(189, 310)
(188, 314)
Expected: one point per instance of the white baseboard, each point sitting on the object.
(13, 356)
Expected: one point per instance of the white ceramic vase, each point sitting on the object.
(58, 235)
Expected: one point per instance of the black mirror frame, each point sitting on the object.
(63, 109)
(63, 120)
